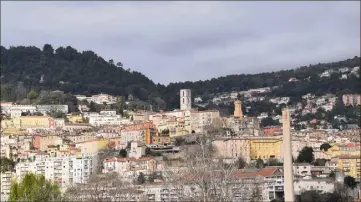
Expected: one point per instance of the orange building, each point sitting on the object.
(271, 130)
(41, 142)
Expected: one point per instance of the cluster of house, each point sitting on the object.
(68, 152)
(345, 72)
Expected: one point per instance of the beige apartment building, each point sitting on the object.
(232, 148)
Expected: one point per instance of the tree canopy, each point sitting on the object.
(85, 72)
(350, 182)
(34, 188)
(6, 164)
(325, 146)
(306, 155)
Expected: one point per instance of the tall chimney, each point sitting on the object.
(287, 159)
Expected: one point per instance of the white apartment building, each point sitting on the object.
(105, 119)
(61, 170)
(137, 149)
(15, 113)
(47, 108)
(6, 107)
(6, 179)
(108, 112)
(23, 108)
(201, 119)
(323, 185)
(82, 168)
(98, 99)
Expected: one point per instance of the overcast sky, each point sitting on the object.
(180, 41)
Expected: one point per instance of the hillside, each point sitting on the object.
(86, 73)
(314, 84)
(68, 70)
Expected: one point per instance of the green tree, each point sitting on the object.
(274, 162)
(123, 153)
(6, 164)
(306, 155)
(269, 122)
(57, 114)
(141, 178)
(325, 146)
(32, 95)
(34, 188)
(320, 162)
(259, 163)
(241, 163)
(92, 107)
(350, 182)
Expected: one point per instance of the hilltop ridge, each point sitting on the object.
(85, 72)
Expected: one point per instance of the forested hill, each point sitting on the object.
(308, 76)
(86, 73)
(71, 71)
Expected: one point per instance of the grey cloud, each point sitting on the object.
(179, 41)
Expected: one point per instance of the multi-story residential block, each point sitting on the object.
(351, 99)
(232, 148)
(47, 108)
(138, 132)
(126, 166)
(266, 148)
(297, 146)
(352, 149)
(324, 185)
(104, 118)
(81, 168)
(42, 142)
(6, 107)
(137, 150)
(23, 108)
(201, 119)
(248, 126)
(98, 99)
(41, 122)
(91, 147)
(350, 165)
(76, 126)
(6, 179)
(61, 170)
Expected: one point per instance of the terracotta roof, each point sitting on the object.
(115, 159)
(1, 103)
(145, 159)
(348, 156)
(262, 172)
(352, 144)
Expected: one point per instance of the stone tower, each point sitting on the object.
(238, 109)
(287, 161)
(185, 99)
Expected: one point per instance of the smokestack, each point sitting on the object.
(287, 158)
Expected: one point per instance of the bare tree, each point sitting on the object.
(204, 178)
(108, 187)
(342, 193)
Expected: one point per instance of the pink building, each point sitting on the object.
(351, 99)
